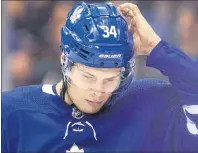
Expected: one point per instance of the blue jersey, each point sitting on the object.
(150, 116)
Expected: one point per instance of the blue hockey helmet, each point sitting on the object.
(96, 35)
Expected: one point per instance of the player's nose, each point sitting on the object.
(98, 88)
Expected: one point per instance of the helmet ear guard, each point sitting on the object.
(129, 69)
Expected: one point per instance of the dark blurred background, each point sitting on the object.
(31, 37)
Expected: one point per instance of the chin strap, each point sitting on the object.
(63, 89)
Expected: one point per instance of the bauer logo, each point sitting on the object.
(110, 56)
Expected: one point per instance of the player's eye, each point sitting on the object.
(111, 79)
(87, 76)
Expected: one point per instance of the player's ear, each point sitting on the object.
(62, 58)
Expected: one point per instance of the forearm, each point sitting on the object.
(181, 69)
(172, 61)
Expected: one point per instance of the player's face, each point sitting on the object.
(89, 88)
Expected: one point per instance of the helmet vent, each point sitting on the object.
(84, 51)
(86, 27)
(82, 56)
(75, 45)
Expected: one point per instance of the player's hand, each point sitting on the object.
(145, 38)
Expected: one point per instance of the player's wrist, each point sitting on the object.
(152, 45)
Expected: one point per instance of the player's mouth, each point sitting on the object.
(94, 102)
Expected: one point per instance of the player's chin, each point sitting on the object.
(92, 109)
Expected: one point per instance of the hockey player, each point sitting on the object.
(97, 106)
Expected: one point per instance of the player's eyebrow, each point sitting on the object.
(87, 73)
(112, 77)
(95, 76)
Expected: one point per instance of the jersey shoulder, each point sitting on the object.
(149, 90)
(151, 85)
(25, 98)
(157, 91)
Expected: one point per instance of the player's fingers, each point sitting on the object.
(124, 15)
(130, 18)
(124, 11)
(130, 14)
(131, 6)
(131, 28)
(136, 19)
(119, 10)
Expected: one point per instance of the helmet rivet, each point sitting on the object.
(102, 64)
(116, 64)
